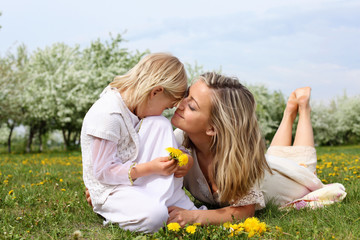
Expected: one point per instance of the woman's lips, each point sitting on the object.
(177, 114)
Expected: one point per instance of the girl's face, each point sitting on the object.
(193, 112)
(156, 104)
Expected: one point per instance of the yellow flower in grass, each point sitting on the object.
(191, 229)
(254, 226)
(175, 227)
(251, 223)
(226, 225)
(251, 234)
(11, 192)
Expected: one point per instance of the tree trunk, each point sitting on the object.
(66, 139)
(40, 141)
(9, 137)
(29, 142)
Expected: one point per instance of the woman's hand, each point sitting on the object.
(180, 216)
(183, 170)
(88, 198)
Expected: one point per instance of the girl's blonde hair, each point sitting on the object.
(237, 146)
(157, 69)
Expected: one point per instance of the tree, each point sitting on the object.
(13, 76)
(49, 89)
(269, 109)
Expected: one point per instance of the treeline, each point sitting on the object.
(51, 90)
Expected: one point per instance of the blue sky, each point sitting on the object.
(281, 44)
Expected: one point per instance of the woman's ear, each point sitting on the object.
(156, 90)
(210, 131)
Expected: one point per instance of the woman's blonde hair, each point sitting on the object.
(157, 69)
(237, 146)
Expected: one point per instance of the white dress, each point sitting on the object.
(143, 206)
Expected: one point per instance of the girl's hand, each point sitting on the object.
(163, 166)
(88, 198)
(183, 170)
(180, 216)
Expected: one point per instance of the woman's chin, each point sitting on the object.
(174, 121)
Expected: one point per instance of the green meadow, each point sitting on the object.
(42, 197)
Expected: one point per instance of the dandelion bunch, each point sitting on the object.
(178, 155)
(176, 231)
(252, 226)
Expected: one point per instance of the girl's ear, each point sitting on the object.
(210, 131)
(156, 90)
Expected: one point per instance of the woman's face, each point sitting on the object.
(193, 113)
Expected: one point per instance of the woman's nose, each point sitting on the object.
(181, 105)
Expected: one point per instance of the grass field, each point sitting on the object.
(42, 197)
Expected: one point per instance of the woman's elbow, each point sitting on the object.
(244, 212)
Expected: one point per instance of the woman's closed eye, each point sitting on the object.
(191, 108)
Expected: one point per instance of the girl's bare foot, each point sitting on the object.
(291, 106)
(303, 98)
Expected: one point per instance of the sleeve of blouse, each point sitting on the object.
(108, 168)
(255, 196)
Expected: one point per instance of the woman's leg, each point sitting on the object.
(304, 135)
(283, 134)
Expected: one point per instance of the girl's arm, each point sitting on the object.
(109, 169)
(215, 217)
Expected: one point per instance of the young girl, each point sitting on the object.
(125, 165)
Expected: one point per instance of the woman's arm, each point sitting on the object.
(215, 217)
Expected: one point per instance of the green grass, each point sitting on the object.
(42, 197)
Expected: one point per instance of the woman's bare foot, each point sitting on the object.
(303, 98)
(292, 106)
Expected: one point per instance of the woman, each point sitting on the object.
(220, 128)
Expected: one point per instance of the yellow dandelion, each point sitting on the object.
(251, 224)
(191, 229)
(183, 160)
(178, 155)
(6, 181)
(175, 227)
(63, 189)
(251, 234)
(11, 192)
(30, 171)
(61, 180)
(226, 225)
(174, 152)
(262, 227)
(234, 226)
